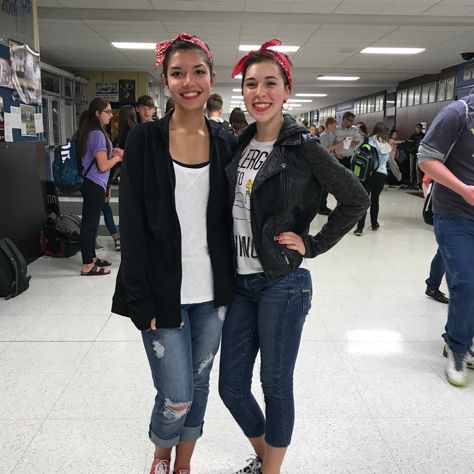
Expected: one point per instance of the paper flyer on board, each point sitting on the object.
(28, 128)
(15, 113)
(39, 123)
(8, 127)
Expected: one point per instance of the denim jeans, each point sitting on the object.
(109, 219)
(455, 236)
(437, 271)
(267, 317)
(181, 361)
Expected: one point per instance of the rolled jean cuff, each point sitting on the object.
(163, 443)
(277, 445)
(192, 433)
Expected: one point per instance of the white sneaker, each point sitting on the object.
(456, 369)
(254, 466)
(469, 356)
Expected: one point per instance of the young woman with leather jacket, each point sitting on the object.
(276, 180)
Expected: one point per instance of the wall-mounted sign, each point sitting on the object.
(16, 18)
(107, 90)
(127, 91)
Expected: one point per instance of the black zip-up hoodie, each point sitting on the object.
(286, 194)
(149, 279)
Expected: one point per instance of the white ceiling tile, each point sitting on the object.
(329, 43)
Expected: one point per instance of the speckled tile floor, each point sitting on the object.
(75, 390)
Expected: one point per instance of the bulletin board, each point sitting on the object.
(20, 93)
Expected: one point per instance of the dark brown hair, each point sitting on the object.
(90, 123)
(182, 46)
(127, 120)
(237, 120)
(381, 131)
(258, 57)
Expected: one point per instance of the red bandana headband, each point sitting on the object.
(280, 58)
(162, 48)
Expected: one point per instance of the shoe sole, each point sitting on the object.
(455, 382)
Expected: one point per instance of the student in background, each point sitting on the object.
(375, 184)
(446, 154)
(347, 134)
(214, 110)
(327, 139)
(437, 267)
(145, 108)
(94, 149)
(238, 121)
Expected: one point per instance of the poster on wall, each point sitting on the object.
(107, 90)
(26, 73)
(2, 122)
(5, 73)
(28, 127)
(127, 91)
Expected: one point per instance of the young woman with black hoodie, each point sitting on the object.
(177, 273)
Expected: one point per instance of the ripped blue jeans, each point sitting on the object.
(181, 362)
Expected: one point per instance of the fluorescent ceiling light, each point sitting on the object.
(121, 45)
(295, 105)
(238, 77)
(236, 90)
(240, 97)
(392, 50)
(300, 100)
(281, 49)
(337, 78)
(311, 95)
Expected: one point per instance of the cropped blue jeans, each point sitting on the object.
(265, 317)
(181, 361)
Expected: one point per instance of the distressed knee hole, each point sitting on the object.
(175, 411)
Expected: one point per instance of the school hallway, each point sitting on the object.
(371, 396)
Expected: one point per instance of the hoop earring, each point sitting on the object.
(287, 106)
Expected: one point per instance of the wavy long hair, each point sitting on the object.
(91, 122)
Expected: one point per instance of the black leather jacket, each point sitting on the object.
(286, 194)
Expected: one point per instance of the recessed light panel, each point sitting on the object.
(392, 50)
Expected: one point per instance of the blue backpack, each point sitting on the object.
(67, 177)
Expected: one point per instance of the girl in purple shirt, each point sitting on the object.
(97, 157)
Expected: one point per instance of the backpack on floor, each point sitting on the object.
(365, 161)
(13, 271)
(66, 169)
(59, 237)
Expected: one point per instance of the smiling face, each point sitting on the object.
(264, 91)
(188, 79)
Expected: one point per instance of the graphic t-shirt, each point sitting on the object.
(250, 163)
